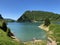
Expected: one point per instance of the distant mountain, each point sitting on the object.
(9, 20)
(32, 16)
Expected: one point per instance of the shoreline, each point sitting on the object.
(14, 38)
(44, 27)
(34, 42)
(50, 41)
(30, 42)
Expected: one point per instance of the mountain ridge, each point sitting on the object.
(32, 16)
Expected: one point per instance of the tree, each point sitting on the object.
(47, 22)
(4, 25)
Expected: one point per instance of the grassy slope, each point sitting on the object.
(55, 28)
(4, 39)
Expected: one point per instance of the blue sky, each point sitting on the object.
(15, 8)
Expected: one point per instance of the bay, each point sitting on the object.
(27, 31)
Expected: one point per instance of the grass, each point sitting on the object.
(55, 28)
(5, 40)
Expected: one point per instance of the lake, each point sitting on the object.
(27, 31)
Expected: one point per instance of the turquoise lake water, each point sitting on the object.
(27, 31)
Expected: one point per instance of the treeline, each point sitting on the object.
(38, 16)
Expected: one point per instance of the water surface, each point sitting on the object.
(27, 31)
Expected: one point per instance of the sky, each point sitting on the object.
(13, 9)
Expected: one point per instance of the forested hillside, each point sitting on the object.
(38, 16)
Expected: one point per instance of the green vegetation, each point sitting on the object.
(47, 22)
(5, 35)
(9, 20)
(1, 17)
(38, 16)
(55, 28)
(5, 40)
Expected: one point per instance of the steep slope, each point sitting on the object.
(5, 40)
(5, 37)
(6, 34)
(38, 16)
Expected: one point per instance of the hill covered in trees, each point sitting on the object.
(32, 16)
(9, 20)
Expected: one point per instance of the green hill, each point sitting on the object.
(55, 35)
(9, 20)
(32, 16)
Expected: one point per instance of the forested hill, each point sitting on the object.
(38, 16)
